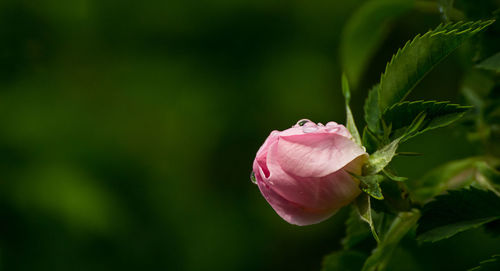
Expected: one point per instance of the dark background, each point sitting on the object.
(128, 130)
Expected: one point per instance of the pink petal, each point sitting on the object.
(315, 154)
(295, 130)
(322, 193)
(260, 158)
(290, 211)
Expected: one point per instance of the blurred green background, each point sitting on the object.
(128, 130)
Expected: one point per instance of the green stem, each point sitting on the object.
(401, 225)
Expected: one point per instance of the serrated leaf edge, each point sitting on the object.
(475, 27)
(448, 103)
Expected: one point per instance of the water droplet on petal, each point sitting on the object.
(320, 124)
(252, 178)
(274, 133)
(330, 126)
(309, 127)
(302, 122)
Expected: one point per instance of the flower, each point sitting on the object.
(302, 172)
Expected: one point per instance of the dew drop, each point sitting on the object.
(252, 178)
(309, 127)
(331, 126)
(302, 122)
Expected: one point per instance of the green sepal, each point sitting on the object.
(370, 185)
(381, 158)
(389, 174)
(351, 125)
(406, 153)
(363, 206)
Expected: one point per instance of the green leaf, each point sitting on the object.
(411, 63)
(452, 175)
(345, 260)
(476, 88)
(404, 259)
(492, 264)
(491, 63)
(399, 228)
(395, 197)
(365, 31)
(414, 127)
(381, 158)
(363, 206)
(437, 180)
(351, 126)
(437, 114)
(370, 185)
(372, 110)
(488, 176)
(457, 211)
(356, 230)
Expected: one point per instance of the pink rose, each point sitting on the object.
(302, 171)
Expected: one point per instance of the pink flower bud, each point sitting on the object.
(302, 171)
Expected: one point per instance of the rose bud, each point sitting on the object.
(302, 172)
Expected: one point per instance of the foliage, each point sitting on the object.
(457, 211)
(356, 228)
(437, 114)
(118, 118)
(417, 58)
(391, 121)
(351, 126)
(344, 260)
(492, 63)
(364, 209)
(365, 31)
(398, 229)
(488, 265)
